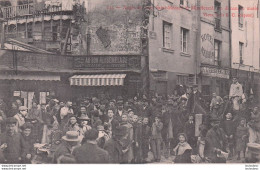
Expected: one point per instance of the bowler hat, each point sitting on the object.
(91, 134)
(71, 136)
(10, 120)
(22, 108)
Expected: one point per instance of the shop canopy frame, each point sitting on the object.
(98, 80)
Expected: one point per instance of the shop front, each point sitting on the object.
(214, 80)
(28, 87)
(109, 75)
(246, 79)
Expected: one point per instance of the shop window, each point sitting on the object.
(167, 32)
(182, 79)
(184, 40)
(43, 97)
(54, 33)
(205, 90)
(28, 97)
(240, 16)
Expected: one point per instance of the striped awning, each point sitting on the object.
(30, 77)
(98, 80)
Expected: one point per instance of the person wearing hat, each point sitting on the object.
(89, 152)
(102, 136)
(70, 141)
(194, 99)
(21, 115)
(117, 145)
(11, 144)
(216, 142)
(84, 121)
(120, 111)
(28, 141)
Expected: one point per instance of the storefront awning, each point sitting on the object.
(98, 80)
(30, 77)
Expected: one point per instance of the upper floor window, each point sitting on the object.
(241, 49)
(185, 3)
(240, 16)
(217, 45)
(217, 15)
(184, 40)
(167, 32)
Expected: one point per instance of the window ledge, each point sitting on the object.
(185, 7)
(241, 28)
(167, 50)
(185, 54)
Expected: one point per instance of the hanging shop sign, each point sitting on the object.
(215, 72)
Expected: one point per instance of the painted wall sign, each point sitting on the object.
(107, 62)
(207, 48)
(215, 72)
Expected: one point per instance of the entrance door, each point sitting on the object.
(161, 88)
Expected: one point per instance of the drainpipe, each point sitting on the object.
(230, 37)
(198, 47)
(2, 33)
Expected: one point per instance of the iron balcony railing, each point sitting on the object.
(29, 9)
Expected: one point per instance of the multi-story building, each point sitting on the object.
(109, 59)
(173, 30)
(245, 43)
(49, 25)
(214, 46)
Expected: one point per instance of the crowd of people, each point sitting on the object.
(133, 130)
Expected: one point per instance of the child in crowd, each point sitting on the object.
(229, 128)
(156, 138)
(189, 130)
(28, 141)
(137, 127)
(145, 135)
(242, 134)
(182, 150)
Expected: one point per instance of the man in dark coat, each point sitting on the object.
(120, 111)
(195, 103)
(89, 152)
(115, 146)
(11, 142)
(111, 121)
(65, 148)
(215, 142)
